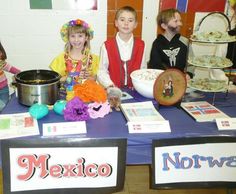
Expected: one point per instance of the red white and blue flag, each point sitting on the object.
(203, 109)
(194, 5)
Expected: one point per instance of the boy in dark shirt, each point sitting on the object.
(170, 48)
(231, 50)
(232, 46)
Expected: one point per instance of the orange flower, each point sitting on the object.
(78, 22)
(90, 91)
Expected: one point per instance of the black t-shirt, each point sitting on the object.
(166, 54)
(231, 51)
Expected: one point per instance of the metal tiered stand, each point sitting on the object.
(210, 61)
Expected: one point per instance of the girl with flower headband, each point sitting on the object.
(76, 63)
(4, 66)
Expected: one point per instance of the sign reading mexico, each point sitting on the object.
(194, 163)
(71, 165)
(62, 167)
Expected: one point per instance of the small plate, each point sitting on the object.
(207, 61)
(169, 87)
(213, 41)
(212, 86)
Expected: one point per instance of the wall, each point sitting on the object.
(150, 11)
(113, 5)
(32, 37)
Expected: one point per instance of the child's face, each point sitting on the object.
(77, 40)
(126, 22)
(174, 24)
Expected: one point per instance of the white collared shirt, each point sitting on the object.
(125, 50)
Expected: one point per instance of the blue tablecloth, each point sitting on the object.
(114, 125)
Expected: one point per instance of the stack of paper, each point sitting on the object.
(203, 111)
(142, 117)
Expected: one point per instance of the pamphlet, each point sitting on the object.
(203, 111)
(18, 125)
(142, 117)
(141, 111)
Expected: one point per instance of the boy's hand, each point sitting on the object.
(187, 77)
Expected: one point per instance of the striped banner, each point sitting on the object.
(194, 5)
(64, 4)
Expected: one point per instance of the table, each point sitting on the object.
(139, 146)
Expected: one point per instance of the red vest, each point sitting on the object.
(116, 65)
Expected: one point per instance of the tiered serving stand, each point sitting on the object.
(210, 61)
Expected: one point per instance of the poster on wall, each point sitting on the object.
(193, 5)
(64, 4)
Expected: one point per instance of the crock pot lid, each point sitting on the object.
(37, 76)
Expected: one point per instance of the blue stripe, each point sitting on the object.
(182, 5)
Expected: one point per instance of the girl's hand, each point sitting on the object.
(63, 78)
(85, 74)
(2, 63)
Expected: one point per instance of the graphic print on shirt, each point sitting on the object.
(172, 55)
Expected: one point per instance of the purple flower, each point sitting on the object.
(85, 25)
(76, 110)
(72, 23)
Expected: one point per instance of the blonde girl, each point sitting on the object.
(76, 63)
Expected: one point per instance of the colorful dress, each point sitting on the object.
(66, 66)
(4, 89)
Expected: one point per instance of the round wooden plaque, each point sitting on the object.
(170, 87)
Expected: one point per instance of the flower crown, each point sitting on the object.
(78, 22)
(232, 2)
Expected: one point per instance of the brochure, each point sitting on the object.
(142, 117)
(141, 111)
(18, 125)
(203, 111)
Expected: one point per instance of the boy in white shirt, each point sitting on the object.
(123, 53)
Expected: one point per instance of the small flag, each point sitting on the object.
(194, 5)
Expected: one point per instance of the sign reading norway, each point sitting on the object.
(194, 162)
(70, 165)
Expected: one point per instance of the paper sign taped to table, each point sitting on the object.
(18, 125)
(226, 123)
(149, 127)
(64, 128)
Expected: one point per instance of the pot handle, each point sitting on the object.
(14, 83)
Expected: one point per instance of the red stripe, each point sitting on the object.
(196, 5)
(206, 6)
(166, 4)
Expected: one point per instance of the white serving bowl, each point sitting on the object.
(143, 81)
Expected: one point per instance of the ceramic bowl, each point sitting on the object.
(143, 81)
